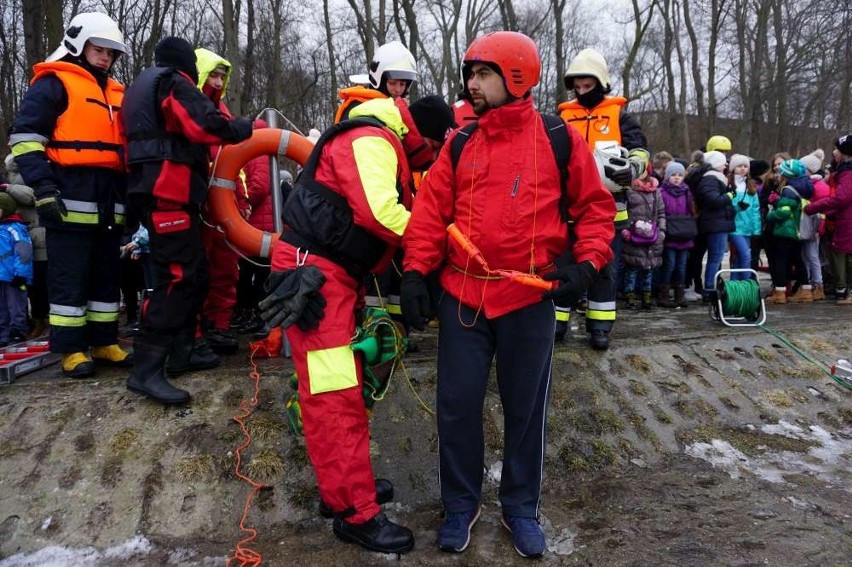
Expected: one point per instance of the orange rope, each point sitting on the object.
(243, 555)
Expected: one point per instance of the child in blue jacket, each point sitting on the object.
(16, 271)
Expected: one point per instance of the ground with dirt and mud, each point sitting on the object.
(687, 443)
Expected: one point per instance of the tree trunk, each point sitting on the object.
(230, 29)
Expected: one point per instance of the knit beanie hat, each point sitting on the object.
(738, 160)
(792, 168)
(177, 53)
(844, 144)
(8, 204)
(674, 168)
(433, 117)
(757, 167)
(715, 159)
(813, 161)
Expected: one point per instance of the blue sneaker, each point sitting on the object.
(454, 535)
(526, 535)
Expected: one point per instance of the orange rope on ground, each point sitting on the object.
(243, 555)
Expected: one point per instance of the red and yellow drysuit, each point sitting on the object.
(367, 166)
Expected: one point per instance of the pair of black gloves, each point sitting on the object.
(293, 298)
(573, 278)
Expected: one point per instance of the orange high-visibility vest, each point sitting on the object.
(598, 124)
(87, 133)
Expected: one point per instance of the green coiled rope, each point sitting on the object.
(741, 298)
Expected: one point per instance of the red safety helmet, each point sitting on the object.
(513, 53)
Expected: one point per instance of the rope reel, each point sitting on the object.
(737, 303)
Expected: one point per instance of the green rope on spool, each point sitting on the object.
(740, 298)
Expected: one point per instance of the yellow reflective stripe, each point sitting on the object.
(375, 160)
(393, 309)
(563, 316)
(600, 315)
(620, 216)
(98, 317)
(22, 148)
(391, 304)
(81, 218)
(66, 321)
(332, 369)
(119, 219)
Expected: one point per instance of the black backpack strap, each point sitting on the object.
(560, 142)
(457, 145)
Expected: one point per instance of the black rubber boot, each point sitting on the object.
(221, 341)
(148, 376)
(384, 493)
(377, 534)
(189, 354)
(599, 339)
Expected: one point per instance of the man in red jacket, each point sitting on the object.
(505, 195)
(170, 125)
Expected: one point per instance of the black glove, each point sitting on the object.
(294, 298)
(314, 311)
(414, 300)
(623, 177)
(19, 282)
(574, 278)
(742, 205)
(49, 204)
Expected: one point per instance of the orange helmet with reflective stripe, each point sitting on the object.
(513, 53)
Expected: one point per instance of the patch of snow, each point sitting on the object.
(495, 472)
(61, 556)
(826, 460)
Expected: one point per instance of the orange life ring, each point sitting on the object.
(221, 202)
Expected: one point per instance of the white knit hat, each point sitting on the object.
(715, 159)
(738, 160)
(813, 161)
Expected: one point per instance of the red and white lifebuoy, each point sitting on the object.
(221, 201)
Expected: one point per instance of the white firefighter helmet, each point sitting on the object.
(390, 61)
(588, 63)
(611, 155)
(94, 27)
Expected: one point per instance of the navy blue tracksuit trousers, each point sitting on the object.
(522, 344)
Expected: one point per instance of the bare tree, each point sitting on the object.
(642, 17)
(230, 28)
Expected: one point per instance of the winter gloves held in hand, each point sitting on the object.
(622, 177)
(574, 280)
(294, 298)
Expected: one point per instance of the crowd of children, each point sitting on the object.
(797, 211)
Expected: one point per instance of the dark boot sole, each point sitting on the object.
(366, 545)
(161, 400)
(77, 373)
